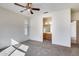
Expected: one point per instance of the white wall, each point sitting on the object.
(61, 33)
(73, 27)
(62, 28)
(36, 28)
(11, 26)
(73, 32)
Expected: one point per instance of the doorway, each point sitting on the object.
(47, 33)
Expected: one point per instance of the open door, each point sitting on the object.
(47, 34)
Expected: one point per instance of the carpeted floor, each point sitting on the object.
(47, 49)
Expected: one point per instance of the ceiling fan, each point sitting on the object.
(28, 7)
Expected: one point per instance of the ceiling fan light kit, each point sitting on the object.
(28, 7)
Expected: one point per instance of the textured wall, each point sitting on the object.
(61, 31)
(11, 26)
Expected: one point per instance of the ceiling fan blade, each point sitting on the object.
(31, 12)
(19, 5)
(35, 9)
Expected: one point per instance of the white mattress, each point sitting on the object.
(7, 51)
(17, 53)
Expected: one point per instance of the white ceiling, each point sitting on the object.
(45, 7)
